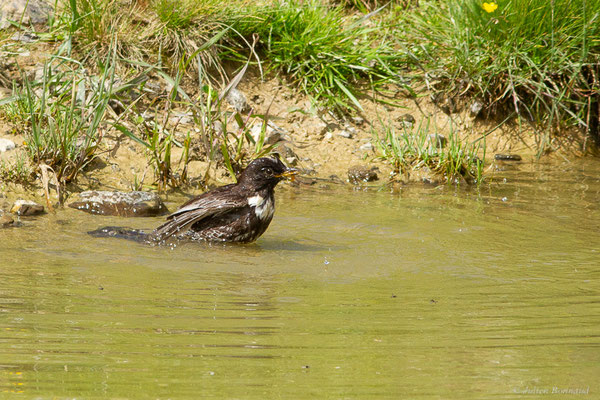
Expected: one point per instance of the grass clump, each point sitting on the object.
(538, 58)
(324, 51)
(417, 148)
(63, 112)
(16, 171)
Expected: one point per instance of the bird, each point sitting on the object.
(239, 212)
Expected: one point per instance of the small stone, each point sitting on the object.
(407, 118)
(26, 208)
(273, 133)
(476, 108)
(124, 204)
(152, 87)
(257, 99)
(324, 127)
(6, 145)
(446, 103)
(24, 11)
(345, 134)
(507, 157)
(238, 100)
(219, 127)
(362, 173)
(181, 118)
(6, 221)
(437, 139)
(366, 147)
(328, 136)
(25, 37)
(358, 120)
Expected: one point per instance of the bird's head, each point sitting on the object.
(265, 172)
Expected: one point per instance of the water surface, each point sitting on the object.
(416, 293)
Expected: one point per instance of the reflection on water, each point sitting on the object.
(424, 293)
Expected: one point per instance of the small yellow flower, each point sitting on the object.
(490, 7)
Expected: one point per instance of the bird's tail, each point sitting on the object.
(175, 225)
(122, 233)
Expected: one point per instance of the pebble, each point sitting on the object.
(124, 204)
(25, 11)
(26, 208)
(238, 100)
(181, 118)
(366, 147)
(438, 140)
(6, 145)
(345, 134)
(25, 37)
(358, 120)
(362, 173)
(407, 118)
(6, 221)
(476, 108)
(273, 133)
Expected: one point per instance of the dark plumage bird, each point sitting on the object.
(233, 213)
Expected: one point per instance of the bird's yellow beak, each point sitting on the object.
(289, 173)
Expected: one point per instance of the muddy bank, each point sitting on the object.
(321, 144)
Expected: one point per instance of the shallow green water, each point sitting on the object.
(425, 293)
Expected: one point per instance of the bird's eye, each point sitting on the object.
(268, 171)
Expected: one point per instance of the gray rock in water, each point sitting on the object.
(6, 145)
(507, 157)
(24, 11)
(238, 101)
(26, 208)
(362, 173)
(6, 220)
(123, 204)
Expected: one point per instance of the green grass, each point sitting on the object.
(539, 58)
(63, 113)
(333, 57)
(224, 137)
(17, 171)
(421, 147)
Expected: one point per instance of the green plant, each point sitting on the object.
(223, 136)
(326, 53)
(17, 171)
(417, 148)
(15, 109)
(65, 111)
(159, 142)
(539, 58)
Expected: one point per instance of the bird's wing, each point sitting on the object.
(194, 211)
